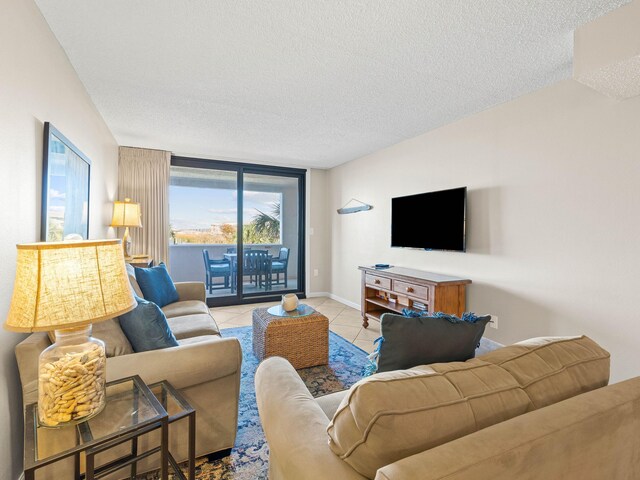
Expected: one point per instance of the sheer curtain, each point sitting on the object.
(143, 176)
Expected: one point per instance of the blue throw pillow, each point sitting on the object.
(466, 316)
(156, 285)
(146, 327)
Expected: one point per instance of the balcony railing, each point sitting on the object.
(187, 264)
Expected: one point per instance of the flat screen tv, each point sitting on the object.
(430, 221)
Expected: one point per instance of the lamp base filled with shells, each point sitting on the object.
(71, 378)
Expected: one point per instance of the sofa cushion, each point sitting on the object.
(392, 415)
(192, 340)
(146, 327)
(411, 341)
(110, 332)
(114, 338)
(193, 326)
(330, 403)
(185, 307)
(131, 273)
(156, 285)
(551, 369)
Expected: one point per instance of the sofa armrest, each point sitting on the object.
(183, 366)
(295, 426)
(191, 291)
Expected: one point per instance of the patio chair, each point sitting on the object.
(214, 269)
(279, 265)
(257, 265)
(231, 257)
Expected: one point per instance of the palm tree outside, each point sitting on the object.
(265, 227)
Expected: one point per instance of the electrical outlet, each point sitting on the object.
(494, 322)
(315, 272)
(310, 230)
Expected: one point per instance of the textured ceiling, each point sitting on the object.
(307, 82)
(619, 80)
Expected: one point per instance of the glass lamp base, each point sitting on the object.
(71, 378)
(126, 244)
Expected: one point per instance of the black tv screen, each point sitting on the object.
(432, 220)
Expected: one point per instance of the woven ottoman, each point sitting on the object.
(304, 341)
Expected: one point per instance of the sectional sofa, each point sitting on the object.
(539, 409)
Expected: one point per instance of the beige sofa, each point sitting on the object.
(539, 409)
(205, 368)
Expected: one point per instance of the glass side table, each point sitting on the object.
(131, 410)
(302, 311)
(178, 408)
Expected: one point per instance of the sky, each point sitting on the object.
(57, 195)
(197, 208)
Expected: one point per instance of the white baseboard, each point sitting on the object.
(318, 294)
(346, 302)
(21, 477)
(334, 297)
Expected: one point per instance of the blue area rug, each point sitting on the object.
(250, 457)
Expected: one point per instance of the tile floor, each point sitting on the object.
(343, 320)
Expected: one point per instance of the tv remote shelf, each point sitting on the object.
(392, 289)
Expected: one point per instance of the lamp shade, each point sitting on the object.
(62, 285)
(126, 214)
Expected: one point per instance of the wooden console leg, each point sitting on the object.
(365, 321)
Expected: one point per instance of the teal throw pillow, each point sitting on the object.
(156, 285)
(146, 327)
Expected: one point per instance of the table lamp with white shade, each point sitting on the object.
(126, 214)
(67, 286)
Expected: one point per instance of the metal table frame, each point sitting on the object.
(91, 446)
(186, 411)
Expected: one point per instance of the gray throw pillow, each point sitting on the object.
(411, 341)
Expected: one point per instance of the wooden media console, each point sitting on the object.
(394, 288)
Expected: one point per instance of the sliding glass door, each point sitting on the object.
(237, 227)
(203, 217)
(271, 232)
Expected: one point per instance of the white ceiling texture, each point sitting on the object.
(307, 82)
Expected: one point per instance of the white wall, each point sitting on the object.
(318, 242)
(289, 226)
(37, 84)
(553, 222)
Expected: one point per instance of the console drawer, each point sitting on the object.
(379, 282)
(411, 289)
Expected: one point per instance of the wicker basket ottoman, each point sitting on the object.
(304, 341)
